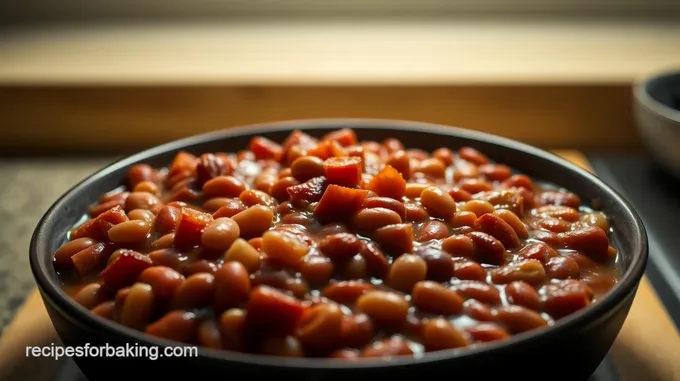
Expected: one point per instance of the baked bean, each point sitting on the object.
(231, 285)
(335, 247)
(562, 268)
(459, 246)
(163, 280)
(254, 221)
(138, 307)
(522, 294)
(231, 326)
(432, 230)
(477, 290)
(530, 271)
(90, 296)
(141, 200)
(432, 297)
(394, 346)
(129, 231)
(320, 327)
(478, 207)
(520, 319)
(196, 292)
(406, 271)
(386, 309)
(179, 326)
(438, 334)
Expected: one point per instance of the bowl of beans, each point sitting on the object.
(328, 249)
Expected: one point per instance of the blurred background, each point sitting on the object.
(83, 82)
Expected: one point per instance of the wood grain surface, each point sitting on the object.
(647, 348)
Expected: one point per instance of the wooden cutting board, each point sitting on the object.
(648, 347)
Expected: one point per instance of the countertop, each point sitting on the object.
(28, 188)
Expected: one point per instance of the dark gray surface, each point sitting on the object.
(27, 189)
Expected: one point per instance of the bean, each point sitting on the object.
(166, 219)
(478, 207)
(375, 218)
(387, 203)
(434, 298)
(438, 203)
(469, 270)
(141, 200)
(196, 292)
(231, 325)
(522, 294)
(142, 215)
(386, 309)
(406, 271)
(438, 334)
(279, 189)
(232, 286)
(209, 335)
(495, 172)
(179, 326)
(164, 280)
(282, 347)
(241, 251)
(347, 292)
(316, 270)
(394, 346)
(477, 290)
(486, 332)
(463, 218)
(520, 319)
(307, 167)
(591, 241)
(164, 242)
(376, 261)
(538, 251)
(566, 298)
(415, 213)
(562, 212)
(148, 187)
(129, 231)
(400, 161)
(413, 190)
(254, 221)
(488, 249)
(90, 296)
(595, 219)
(432, 167)
(439, 264)
(167, 257)
(511, 219)
(478, 311)
(530, 271)
(356, 268)
(554, 225)
(62, 257)
(562, 268)
(199, 266)
(320, 327)
(106, 310)
(472, 155)
(220, 234)
(284, 248)
(140, 172)
(340, 246)
(499, 229)
(395, 239)
(444, 154)
(138, 307)
(459, 246)
(432, 230)
(357, 330)
(559, 198)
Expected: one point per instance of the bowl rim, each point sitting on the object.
(644, 99)
(58, 299)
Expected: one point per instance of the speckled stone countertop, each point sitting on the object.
(28, 187)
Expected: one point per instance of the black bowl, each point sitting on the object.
(570, 350)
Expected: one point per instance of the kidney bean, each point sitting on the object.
(376, 261)
(595, 219)
(164, 280)
(480, 291)
(179, 326)
(196, 292)
(231, 285)
(62, 257)
(554, 225)
(395, 239)
(148, 187)
(487, 248)
(562, 268)
(566, 298)
(459, 246)
(432, 230)
(140, 172)
(279, 189)
(254, 221)
(530, 271)
(356, 268)
(591, 241)
(386, 203)
(562, 212)
(486, 332)
(472, 155)
(415, 213)
(394, 346)
(511, 219)
(478, 311)
(340, 246)
(431, 167)
(121, 295)
(208, 167)
(463, 218)
(560, 198)
(220, 234)
(434, 298)
(406, 271)
(141, 215)
(444, 154)
(91, 295)
(320, 327)
(495, 172)
(478, 207)
(105, 310)
(469, 270)
(347, 292)
(522, 294)
(284, 248)
(198, 266)
(272, 311)
(208, 335)
(438, 334)
(499, 229)
(520, 319)
(538, 251)
(583, 262)
(439, 264)
(250, 197)
(138, 307)
(223, 187)
(232, 325)
(386, 309)
(166, 219)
